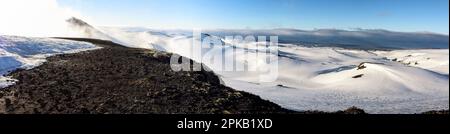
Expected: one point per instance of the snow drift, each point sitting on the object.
(21, 52)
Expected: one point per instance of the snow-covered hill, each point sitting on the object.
(21, 52)
(431, 59)
(333, 78)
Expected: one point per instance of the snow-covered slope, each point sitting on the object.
(21, 52)
(321, 78)
(431, 59)
(333, 78)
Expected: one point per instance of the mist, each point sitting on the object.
(35, 18)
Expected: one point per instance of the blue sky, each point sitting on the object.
(397, 15)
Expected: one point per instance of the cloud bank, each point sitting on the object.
(358, 38)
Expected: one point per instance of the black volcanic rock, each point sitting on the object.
(352, 110)
(437, 112)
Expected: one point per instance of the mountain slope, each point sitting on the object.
(436, 60)
(117, 79)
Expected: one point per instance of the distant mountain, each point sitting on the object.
(87, 30)
(78, 22)
(358, 39)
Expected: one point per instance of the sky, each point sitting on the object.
(397, 15)
(19, 16)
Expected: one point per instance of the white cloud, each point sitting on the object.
(38, 18)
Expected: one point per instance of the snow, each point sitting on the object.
(21, 52)
(431, 59)
(321, 78)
